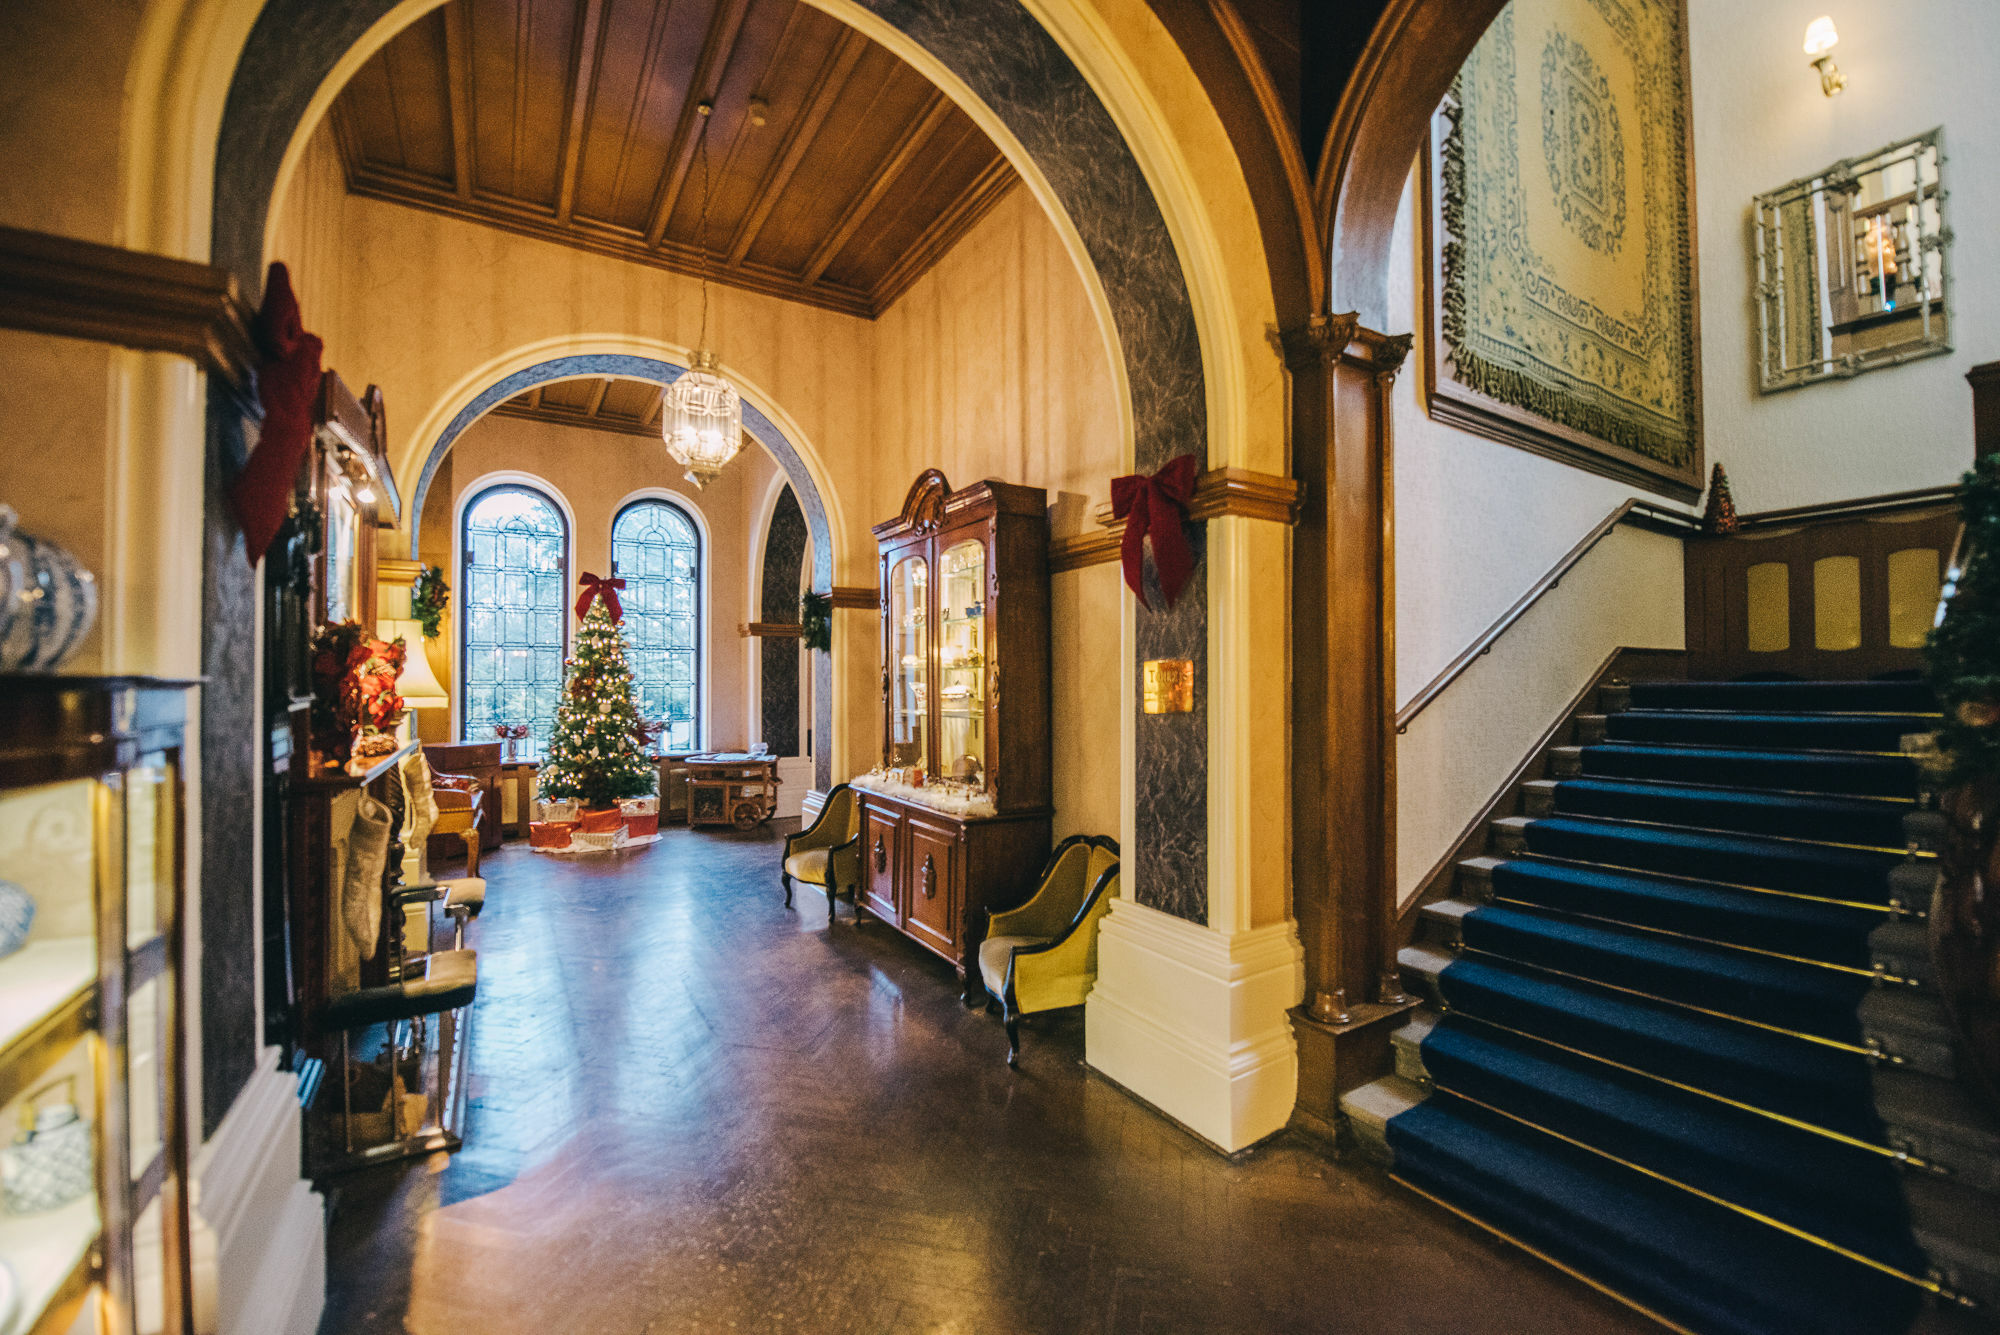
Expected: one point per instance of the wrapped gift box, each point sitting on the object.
(606, 841)
(642, 815)
(602, 821)
(550, 833)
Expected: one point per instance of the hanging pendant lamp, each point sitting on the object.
(701, 416)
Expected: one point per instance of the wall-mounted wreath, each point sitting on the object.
(429, 597)
(816, 620)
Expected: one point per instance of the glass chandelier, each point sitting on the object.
(701, 417)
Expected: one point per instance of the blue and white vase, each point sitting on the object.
(48, 601)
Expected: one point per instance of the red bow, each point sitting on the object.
(595, 588)
(287, 383)
(1157, 505)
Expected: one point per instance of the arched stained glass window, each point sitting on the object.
(656, 550)
(512, 623)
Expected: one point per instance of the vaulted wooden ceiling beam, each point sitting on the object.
(915, 135)
(716, 49)
(535, 397)
(458, 87)
(587, 54)
(828, 85)
(597, 398)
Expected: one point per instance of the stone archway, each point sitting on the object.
(756, 421)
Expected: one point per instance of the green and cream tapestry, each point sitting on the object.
(1565, 310)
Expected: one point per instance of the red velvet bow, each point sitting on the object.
(595, 588)
(287, 384)
(1156, 506)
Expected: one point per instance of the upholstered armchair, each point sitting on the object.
(459, 814)
(1042, 956)
(827, 853)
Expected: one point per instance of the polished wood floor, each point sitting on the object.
(695, 1110)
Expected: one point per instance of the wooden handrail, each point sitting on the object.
(1867, 507)
(1633, 510)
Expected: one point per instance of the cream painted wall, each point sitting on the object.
(991, 365)
(1477, 524)
(593, 473)
(1761, 121)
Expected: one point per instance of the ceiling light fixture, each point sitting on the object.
(1821, 38)
(701, 417)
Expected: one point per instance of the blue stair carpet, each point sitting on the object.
(1830, 932)
(1650, 1062)
(1793, 771)
(1693, 1261)
(1846, 820)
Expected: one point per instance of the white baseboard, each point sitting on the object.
(1194, 1022)
(259, 1228)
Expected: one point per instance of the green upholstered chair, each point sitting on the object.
(827, 853)
(1042, 956)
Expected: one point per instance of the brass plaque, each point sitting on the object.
(1169, 685)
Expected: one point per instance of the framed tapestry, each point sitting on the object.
(1560, 249)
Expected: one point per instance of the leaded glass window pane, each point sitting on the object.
(657, 552)
(515, 543)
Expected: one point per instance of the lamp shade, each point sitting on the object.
(701, 420)
(418, 685)
(1821, 36)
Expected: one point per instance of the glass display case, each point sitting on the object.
(93, 1212)
(956, 817)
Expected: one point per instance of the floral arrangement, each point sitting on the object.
(510, 732)
(430, 596)
(354, 686)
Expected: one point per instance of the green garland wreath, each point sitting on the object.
(1964, 650)
(816, 620)
(429, 597)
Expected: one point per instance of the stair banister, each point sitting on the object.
(1630, 510)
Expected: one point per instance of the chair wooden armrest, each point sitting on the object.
(463, 822)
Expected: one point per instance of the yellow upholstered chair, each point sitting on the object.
(1042, 956)
(827, 853)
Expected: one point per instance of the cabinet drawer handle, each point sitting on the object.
(930, 878)
(881, 855)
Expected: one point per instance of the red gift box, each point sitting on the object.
(550, 833)
(641, 824)
(602, 820)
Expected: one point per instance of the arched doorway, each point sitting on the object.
(796, 461)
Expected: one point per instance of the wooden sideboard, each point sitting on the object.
(935, 877)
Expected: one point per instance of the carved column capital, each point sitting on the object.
(1390, 353)
(1320, 341)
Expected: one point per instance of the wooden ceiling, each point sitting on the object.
(631, 407)
(577, 121)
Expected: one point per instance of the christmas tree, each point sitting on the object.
(594, 756)
(1720, 517)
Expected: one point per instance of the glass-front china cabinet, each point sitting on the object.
(956, 818)
(93, 1210)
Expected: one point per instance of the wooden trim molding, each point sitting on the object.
(857, 598)
(107, 294)
(1861, 507)
(1985, 382)
(1220, 493)
(775, 630)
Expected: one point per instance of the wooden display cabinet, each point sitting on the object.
(91, 1023)
(965, 607)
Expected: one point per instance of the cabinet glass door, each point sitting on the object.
(962, 649)
(53, 852)
(909, 660)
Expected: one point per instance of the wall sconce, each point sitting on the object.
(1820, 41)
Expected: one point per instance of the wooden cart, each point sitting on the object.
(731, 788)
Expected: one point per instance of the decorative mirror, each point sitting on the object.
(1851, 267)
